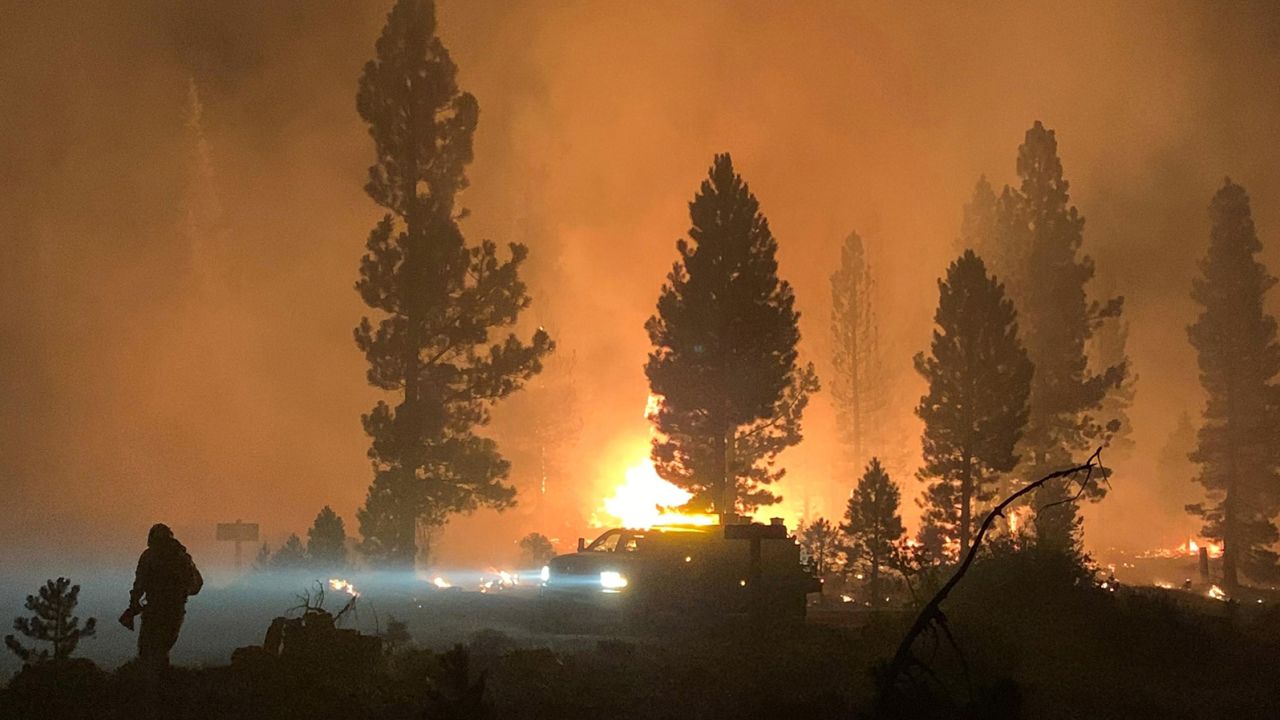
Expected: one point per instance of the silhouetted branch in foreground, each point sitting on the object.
(931, 618)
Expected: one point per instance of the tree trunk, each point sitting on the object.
(1230, 573)
(1230, 539)
(729, 491)
(966, 501)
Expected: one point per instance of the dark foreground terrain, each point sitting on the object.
(1032, 642)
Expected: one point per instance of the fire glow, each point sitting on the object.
(644, 500)
(343, 586)
(1190, 548)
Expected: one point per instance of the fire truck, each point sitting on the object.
(682, 573)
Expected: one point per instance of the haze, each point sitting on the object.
(177, 297)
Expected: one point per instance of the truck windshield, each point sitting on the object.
(617, 541)
(607, 542)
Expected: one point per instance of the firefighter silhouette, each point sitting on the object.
(166, 577)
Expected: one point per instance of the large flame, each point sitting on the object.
(644, 500)
(1191, 547)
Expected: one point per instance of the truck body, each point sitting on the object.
(684, 573)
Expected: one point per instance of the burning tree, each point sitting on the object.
(724, 363)
(856, 383)
(872, 522)
(976, 408)
(1239, 360)
(439, 300)
(52, 621)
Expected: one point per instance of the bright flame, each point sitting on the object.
(1018, 519)
(441, 583)
(1192, 547)
(1189, 548)
(1216, 593)
(644, 500)
(343, 586)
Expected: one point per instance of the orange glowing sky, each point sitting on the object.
(146, 378)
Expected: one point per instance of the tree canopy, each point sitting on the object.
(437, 300)
(724, 363)
(975, 410)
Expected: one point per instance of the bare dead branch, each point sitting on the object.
(930, 616)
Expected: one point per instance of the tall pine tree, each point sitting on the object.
(1238, 448)
(1057, 321)
(724, 363)
(438, 300)
(976, 408)
(856, 382)
(872, 523)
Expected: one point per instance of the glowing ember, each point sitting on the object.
(343, 586)
(1216, 593)
(645, 500)
(441, 583)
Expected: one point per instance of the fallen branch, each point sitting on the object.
(931, 617)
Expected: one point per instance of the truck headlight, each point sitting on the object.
(545, 574)
(612, 580)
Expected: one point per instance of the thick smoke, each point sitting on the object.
(177, 332)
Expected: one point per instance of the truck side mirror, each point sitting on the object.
(582, 544)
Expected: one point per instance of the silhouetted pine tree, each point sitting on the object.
(438, 300)
(976, 408)
(724, 363)
(1057, 321)
(52, 621)
(872, 523)
(291, 556)
(823, 544)
(856, 382)
(327, 541)
(1238, 444)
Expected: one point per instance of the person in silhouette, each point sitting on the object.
(166, 577)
